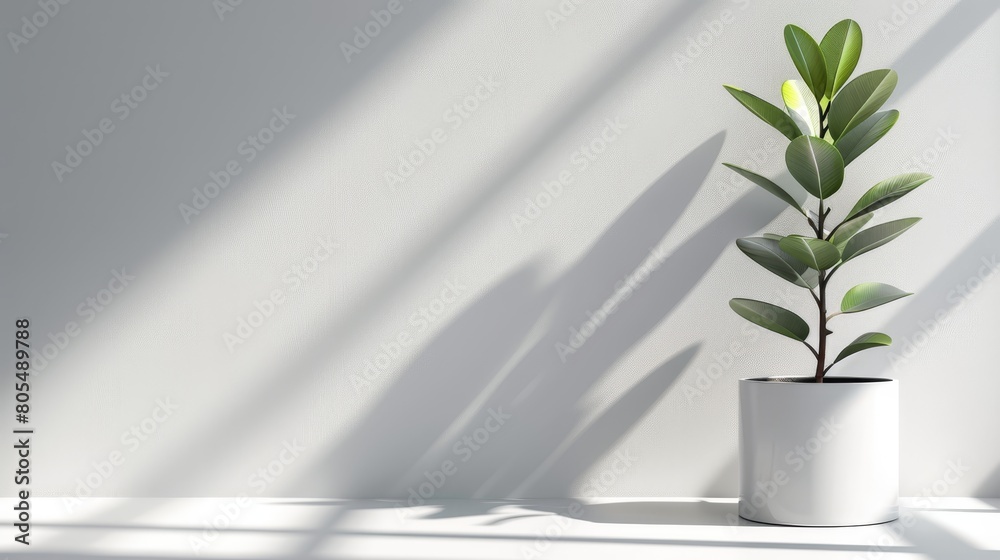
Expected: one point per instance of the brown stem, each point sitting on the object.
(823, 278)
(821, 303)
(823, 125)
(812, 224)
(821, 350)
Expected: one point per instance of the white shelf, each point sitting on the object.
(626, 528)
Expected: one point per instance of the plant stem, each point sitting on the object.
(823, 125)
(821, 302)
(823, 278)
(812, 224)
(821, 351)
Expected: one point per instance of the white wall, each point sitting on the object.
(630, 390)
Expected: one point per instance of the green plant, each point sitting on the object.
(829, 122)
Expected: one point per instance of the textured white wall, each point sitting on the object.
(480, 299)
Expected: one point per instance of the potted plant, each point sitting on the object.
(818, 450)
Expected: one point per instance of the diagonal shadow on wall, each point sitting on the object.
(540, 394)
(369, 462)
(242, 418)
(238, 420)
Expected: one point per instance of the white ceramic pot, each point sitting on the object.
(819, 454)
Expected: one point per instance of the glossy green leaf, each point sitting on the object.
(771, 317)
(868, 295)
(801, 106)
(841, 48)
(771, 236)
(767, 112)
(816, 165)
(864, 136)
(864, 342)
(847, 230)
(767, 253)
(860, 99)
(808, 59)
(814, 253)
(768, 185)
(887, 191)
(876, 236)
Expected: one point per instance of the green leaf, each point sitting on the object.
(771, 317)
(864, 342)
(767, 112)
(816, 165)
(767, 253)
(859, 99)
(768, 185)
(887, 191)
(875, 237)
(863, 136)
(868, 295)
(771, 236)
(808, 59)
(814, 253)
(847, 230)
(801, 106)
(841, 48)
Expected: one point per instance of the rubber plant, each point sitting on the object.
(830, 121)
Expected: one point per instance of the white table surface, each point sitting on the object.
(627, 528)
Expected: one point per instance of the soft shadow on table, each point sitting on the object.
(636, 512)
(663, 513)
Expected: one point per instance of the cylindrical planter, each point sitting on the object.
(819, 454)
